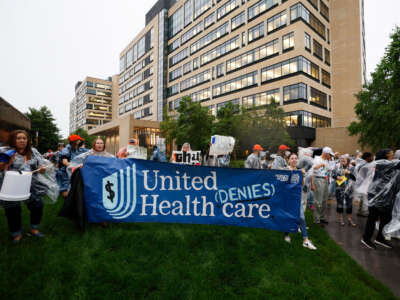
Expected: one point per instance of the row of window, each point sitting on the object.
(98, 85)
(98, 93)
(227, 8)
(136, 80)
(138, 103)
(299, 11)
(238, 83)
(290, 66)
(145, 62)
(220, 50)
(306, 119)
(195, 80)
(253, 56)
(261, 7)
(243, 60)
(209, 38)
(137, 51)
(136, 91)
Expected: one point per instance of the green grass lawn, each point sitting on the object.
(164, 261)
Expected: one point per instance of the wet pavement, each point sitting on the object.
(383, 264)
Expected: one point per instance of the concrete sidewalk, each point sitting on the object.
(383, 264)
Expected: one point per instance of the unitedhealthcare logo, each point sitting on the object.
(119, 193)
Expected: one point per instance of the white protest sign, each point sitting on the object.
(136, 152)
(187, 158)
(221, 145)
(161, 144)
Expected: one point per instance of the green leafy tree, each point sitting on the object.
(43, 123)
(228, 120)
(378, 107)
(193, 125)
(89, 139)
(266, 127)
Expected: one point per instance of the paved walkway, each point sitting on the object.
(383, 264)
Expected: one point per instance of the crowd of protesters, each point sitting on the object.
(373, 181)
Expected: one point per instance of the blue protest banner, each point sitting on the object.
(133, 190)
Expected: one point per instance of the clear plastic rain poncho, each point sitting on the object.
(364, 173)
(385, 185)
(42, 184)
(393, 228)
(77, 161)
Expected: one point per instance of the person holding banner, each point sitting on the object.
(98, 149)
(293, 161)
(67, 154)
(123, 152)
(253, 160)
(26, 159)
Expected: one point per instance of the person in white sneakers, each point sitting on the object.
(293, 160)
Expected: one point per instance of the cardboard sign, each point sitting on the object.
(187, 158)
(221, 145)
(136, 152)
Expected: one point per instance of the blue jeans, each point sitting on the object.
(302, 224)
(13, 214)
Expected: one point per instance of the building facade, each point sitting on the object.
(246, 52)
(92, 104)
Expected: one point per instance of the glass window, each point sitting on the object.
(175, 74)
(327, 56)
(326, 78)
(175, 22)
(307, 41)
(324, 9)
(187, 67)
(220, 69)
(318, 98)
(299, 11)
(288, 41)
(195, 80)
(317, 49)
(175, 45)
(209, 20)
(209, 38)
(277, 21)
(256, 32)
(295, 92)
(122, 64)
(238, 20)
(188, 12)
(192, 32)
(200, 6)
(178, 57)
(260, 7)
(202, 95)
(141, 47)
(220, 50)
(235, 84)
(252, 56)
(227, 8)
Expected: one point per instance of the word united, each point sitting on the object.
(133, 190)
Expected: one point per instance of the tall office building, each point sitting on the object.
(245, 52)
(92, 104)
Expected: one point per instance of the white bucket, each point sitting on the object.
(16, 186)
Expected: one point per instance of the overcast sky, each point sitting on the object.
(46, 46)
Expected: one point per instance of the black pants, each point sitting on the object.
(13, 214)
(385, 217)
(340, 197)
